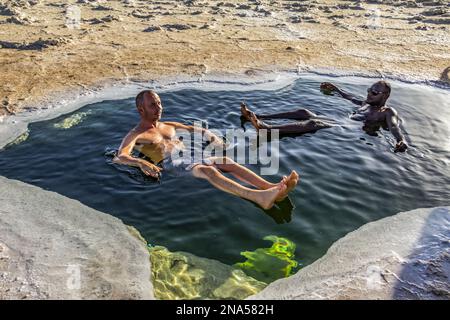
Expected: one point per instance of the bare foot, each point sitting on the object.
(256, 122)
(271, 185)
(245, 112)
(266, 198)
(291, 182)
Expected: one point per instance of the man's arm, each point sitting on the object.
(124, 156)
(327, 86)
(392, 121)
(208, 134)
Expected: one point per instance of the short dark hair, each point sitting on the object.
(141, 95)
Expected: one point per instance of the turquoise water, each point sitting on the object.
(348, 178)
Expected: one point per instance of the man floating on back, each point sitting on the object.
(158, 141)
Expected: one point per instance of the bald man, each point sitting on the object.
(157, 140)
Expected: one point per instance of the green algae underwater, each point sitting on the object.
(270, 264)
(181, 275)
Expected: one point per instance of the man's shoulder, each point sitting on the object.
(174, 124)
(390, 111)
(134, 132)
(170, 123)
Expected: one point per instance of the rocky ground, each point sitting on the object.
(47, 46)
(53, 247)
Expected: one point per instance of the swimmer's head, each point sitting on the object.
(149, 105)
(378, 93)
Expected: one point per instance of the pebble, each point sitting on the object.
(6, 10)
(176, 26)
(295, 19)
(21, 19)
(244, 7)
(423, 28)
(102, 8)
(141, 14)
(435, 11)
(153, 28)
(36, 45)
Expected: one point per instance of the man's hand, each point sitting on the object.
(218, 142)
(150, 169)
(401, 146)
(328, 87)
(215, 140)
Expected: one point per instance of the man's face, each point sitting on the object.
(376, 94)
(152, 107)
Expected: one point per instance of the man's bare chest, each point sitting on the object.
(370, 115)
(158, 136)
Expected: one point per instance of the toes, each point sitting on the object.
(293, 175)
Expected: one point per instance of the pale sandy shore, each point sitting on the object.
(49, 46)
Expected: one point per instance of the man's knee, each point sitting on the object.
(220, 160)
(305, 113)
(204, 171)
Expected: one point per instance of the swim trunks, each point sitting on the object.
(181, 166)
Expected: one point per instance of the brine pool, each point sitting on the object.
(348, 177)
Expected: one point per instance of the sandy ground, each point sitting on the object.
(50, 46)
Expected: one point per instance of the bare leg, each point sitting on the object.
(300, 114)
(264, 198)
(226, 164)
(292, 128)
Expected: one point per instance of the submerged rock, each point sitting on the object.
(181, 275)
(23, 137)
(53, 247)
(71, 121)
(406, 256)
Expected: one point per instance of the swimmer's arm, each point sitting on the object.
(394, 127)
(327, 86)
(124, 156)
(208, 134)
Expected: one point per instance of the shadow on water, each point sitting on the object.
(281, 212)
(426, 275)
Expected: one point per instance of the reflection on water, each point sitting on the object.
(281, 212)
(347, 177)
